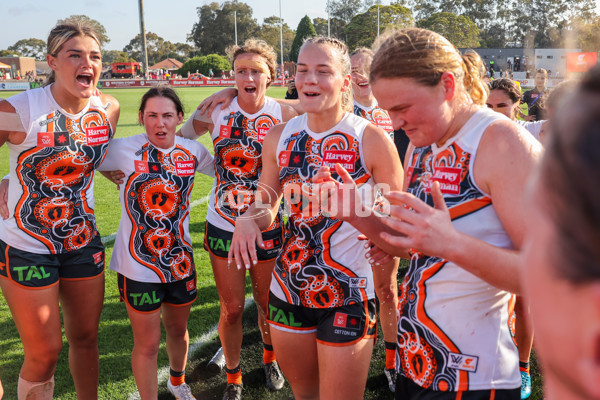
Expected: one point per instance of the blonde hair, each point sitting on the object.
(259, 47)
(424, 55)
(64, 32)
(343, 60)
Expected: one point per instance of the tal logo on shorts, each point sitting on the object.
(347, 321)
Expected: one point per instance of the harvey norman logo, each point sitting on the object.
(96, 135)
(184, 168)
(346, 159)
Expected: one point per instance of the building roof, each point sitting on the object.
(168, 64)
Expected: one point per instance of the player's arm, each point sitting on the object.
(11, 127)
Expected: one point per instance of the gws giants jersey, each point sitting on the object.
(153, 242)
(375, 115)
(453, 331)
(322, 264)
(237, 139)
(51, 196)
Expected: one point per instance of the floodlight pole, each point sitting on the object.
(328, 23)
(143, 37)
(281, 45)
(235, 24)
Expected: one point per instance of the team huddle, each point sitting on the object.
(387, 154)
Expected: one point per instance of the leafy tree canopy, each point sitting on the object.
(305, 29)
(460, 30)
(362, 30)
(31, 47)
(97, 25)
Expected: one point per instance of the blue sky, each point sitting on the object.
(172, 20)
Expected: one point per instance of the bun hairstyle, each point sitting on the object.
(343, 60)
(259, 47)
(64, 32)
(424, 56)
(569, 168)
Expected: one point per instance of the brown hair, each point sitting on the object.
(64, 32)
(570, 171)
(259, 47)
(508, 86)
(542, 71)
(424, 55)
(162, 91)
(343, 60)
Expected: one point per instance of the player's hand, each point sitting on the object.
(223, 97)
(420, 226)
(338, 200)
(374, 254)
(117, 177)
(246, 236)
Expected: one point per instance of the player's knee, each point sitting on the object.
(83, 338)
(231, 313)
(45, 357)
(147, 348)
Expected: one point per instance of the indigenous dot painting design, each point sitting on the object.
(238, 163)
(157, 204)
(306, 270)
(54, 207)
(423, 347)
(377, 116)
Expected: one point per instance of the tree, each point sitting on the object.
(362, 30)
(8, 53)
(202, 64)
(346, 9)
(113, 56)
(305, 29)
(31, 47)
(157, 47)
(269, 32)
(458, 29)
(215, 28)
(336, 27)
(97, 25)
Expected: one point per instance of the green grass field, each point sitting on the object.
(115, 336)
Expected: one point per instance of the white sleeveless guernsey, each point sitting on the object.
(453, 331)
(51, 190)
(237, 138)
(375, 115)
(322, 264)
(153, 243)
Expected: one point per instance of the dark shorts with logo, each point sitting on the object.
(149, 296)
(407, 389)
(42, 270)
(217, 242)
(334, 326)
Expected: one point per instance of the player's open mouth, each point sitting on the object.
(311, 94)
(84, 79)
(161, 134)
(250, 89)
(364, 84)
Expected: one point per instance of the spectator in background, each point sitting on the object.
(291, 92)
(535, 98)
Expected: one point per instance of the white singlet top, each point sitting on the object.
(51, 189)
(322, 264)
(155, 200)
(237, 139)
(453, 331)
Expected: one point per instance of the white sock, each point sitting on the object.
(35, 390)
